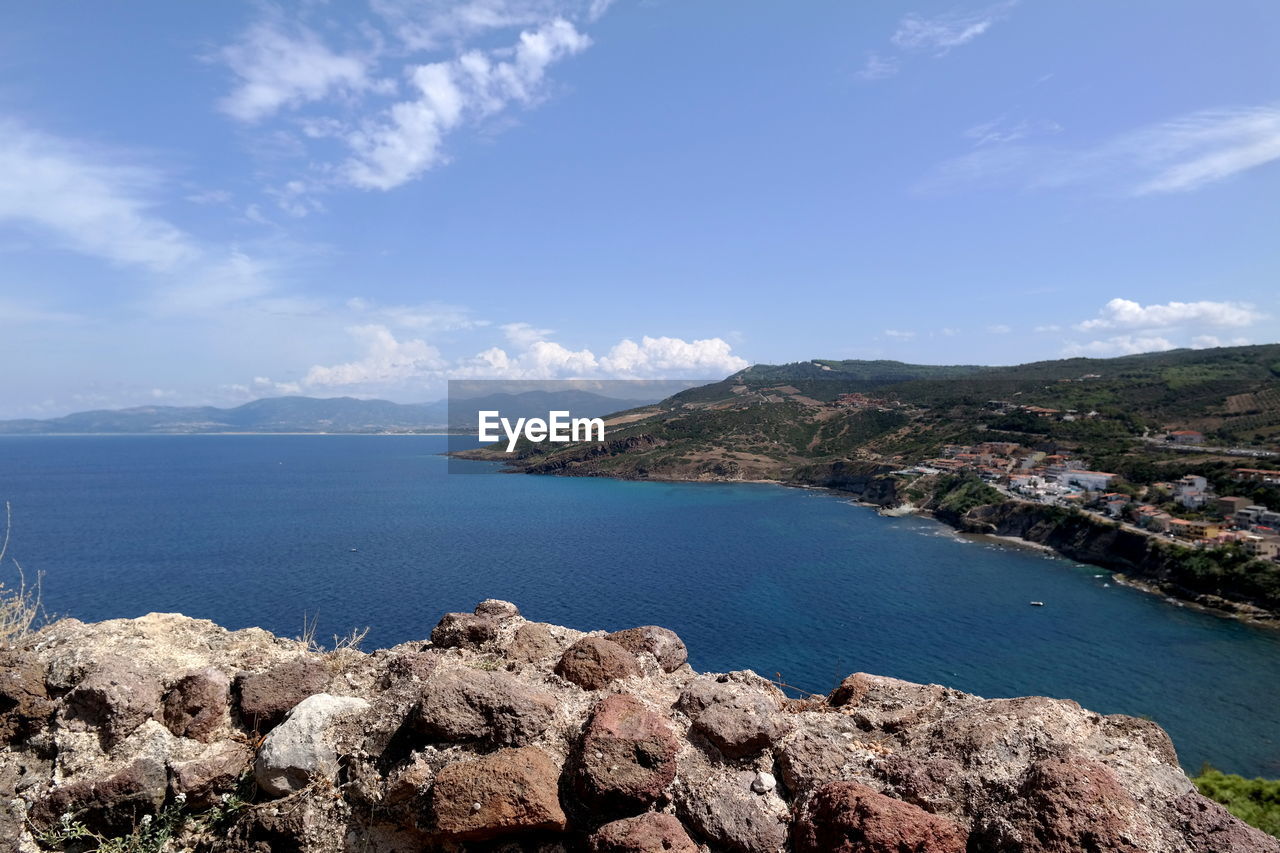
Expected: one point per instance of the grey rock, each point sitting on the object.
(663, 644)
(299, 749)
(462, 705)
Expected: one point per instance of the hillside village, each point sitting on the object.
(1187, 509)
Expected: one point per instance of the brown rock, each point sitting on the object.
(265, 697)
(644, 834)
(409, 667)
(464, 705)
(495, 608)
(196, 705)
(464, 631)
(113, 699)
(216, 772)
(811, 758)
(626, 759)
(507, 792)
(846, 817)
(1210, 828)
(534, 642)
(737, 719)
(593, 662)
(112, 805)
(666, 647)
(25, 706)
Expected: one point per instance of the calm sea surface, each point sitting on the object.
(258, 530)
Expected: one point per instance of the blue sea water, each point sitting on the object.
(260, 530)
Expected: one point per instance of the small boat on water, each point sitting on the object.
(1037, 604)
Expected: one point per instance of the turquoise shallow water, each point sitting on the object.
(257, 530)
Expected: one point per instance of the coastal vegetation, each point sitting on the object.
(860, 426)
(1254, 801)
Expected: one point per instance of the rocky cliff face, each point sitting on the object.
(505, 734)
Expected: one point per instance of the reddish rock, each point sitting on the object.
(25, 706)
(1067, 803)
(216, 772)
(473, 705)
(846, 817)
(196, 705)
(666, 647)
(266, 697)
(737, 719)
(508, 792)
(114, 699)
(1210, 828)
(644, 834)
(626, 758)
(593, 662)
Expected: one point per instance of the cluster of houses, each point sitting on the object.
(1005, 407)
(1060, 480)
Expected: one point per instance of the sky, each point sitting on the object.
(211, 203)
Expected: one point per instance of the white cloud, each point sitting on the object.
(1120, 345)
(899, 334)
(278, 69)
(407, 139)
(524, 335)
(941, 33)
(386, 361)
(389, 361)
(1210, 341)
(1205, 147)
(435, 24)
(1128, 314)
(672, 357)
(999, 329)
(424, 317)
(1181, 155)
(85, 201)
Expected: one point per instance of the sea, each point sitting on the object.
(804, 586)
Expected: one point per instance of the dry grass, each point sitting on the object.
(20, 606)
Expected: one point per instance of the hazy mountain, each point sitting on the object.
(327, 415)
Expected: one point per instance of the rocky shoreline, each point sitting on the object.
(502, 734)
(868, 485)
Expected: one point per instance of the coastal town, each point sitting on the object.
(1188, 510)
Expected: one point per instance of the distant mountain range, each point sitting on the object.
(321, 415)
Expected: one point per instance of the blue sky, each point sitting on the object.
(209, 203)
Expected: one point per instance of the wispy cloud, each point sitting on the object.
(1119, 345)
(940, 33)
(279, 64)
(878, 67)
(1180, 155)
(87, 201)
(899, 334)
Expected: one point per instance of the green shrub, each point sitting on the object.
(1254, 801)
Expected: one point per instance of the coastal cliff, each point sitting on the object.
(500, 733)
